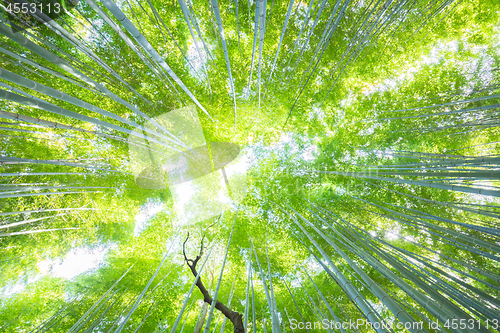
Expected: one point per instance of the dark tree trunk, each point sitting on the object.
(235, 317)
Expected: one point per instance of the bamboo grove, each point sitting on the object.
(373, 181)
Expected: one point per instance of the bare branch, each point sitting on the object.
(184, 248)
(235, 317)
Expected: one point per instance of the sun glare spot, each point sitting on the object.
(147, 212)
(77, 261)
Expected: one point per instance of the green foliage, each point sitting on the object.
(383, 135)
